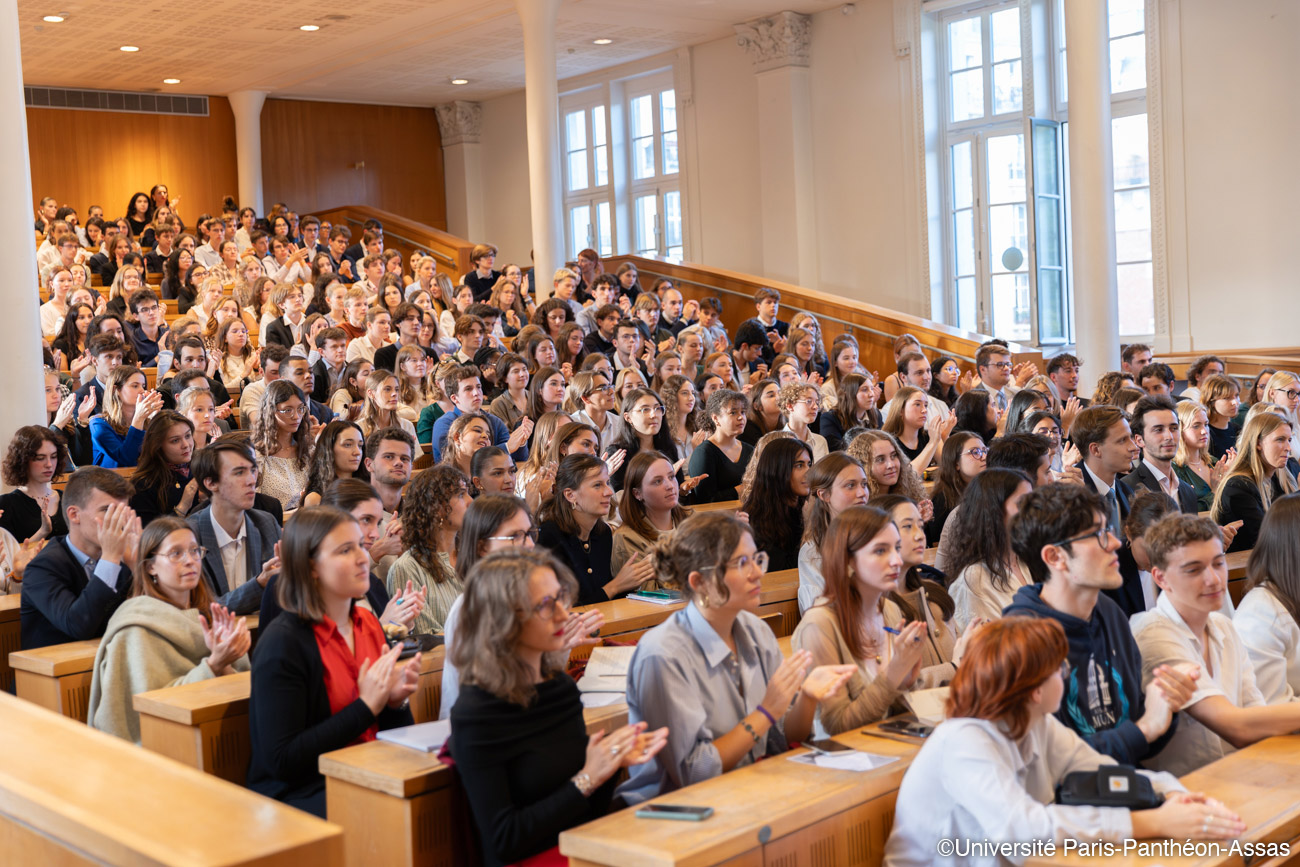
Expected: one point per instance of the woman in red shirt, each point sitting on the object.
(323, 676)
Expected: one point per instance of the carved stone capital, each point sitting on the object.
(460, 122)
(783, 39)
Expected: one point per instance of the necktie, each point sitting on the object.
(1002, 401)
(90, 568)
(1112, 508)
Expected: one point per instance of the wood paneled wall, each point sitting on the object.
(309, 150)
(86, 158)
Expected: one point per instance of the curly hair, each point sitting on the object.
(909, 482)
(22, 451)
(670, 393)
(265, 435)
(426, 507)
(323, 469)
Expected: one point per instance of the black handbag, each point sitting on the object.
(1109, 786)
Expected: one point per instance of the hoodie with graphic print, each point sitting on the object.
(1103, 694)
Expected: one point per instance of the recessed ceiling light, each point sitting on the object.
(460, 81)
(310, 28)
(128, 48)
(171, 81)
(53, 19)
(601, 41)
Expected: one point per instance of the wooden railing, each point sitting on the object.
(406, 236)
(874, 327)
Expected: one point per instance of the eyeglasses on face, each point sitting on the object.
(515, 538)
(1103, 536)
(291, 411)
(979, 453)
(657, 409)
(745, 561)
(197, 552)
(546, 608)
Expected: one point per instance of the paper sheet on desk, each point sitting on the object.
(928, 704)
(603, 683)
(602, 699)
(609, 661)
(853, 761)
(425, 737)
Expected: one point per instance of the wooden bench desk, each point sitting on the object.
(774, 812)
(10, 637)
(723, 506)
(1237, 561)
(402, 807)
(1261, 783)
(70, 795)
(57, 677)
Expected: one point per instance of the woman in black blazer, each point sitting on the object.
(295, 713)
(1257, 476)
(521, 747)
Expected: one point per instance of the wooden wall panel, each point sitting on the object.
(309, 150)
(89, 158)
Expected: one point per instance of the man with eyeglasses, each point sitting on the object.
(993, 367)
(1102, 435)
(240, 540)
(465, 390)
(149, 330)
(1061, 533)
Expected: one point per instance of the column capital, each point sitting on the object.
(774, 41)
(460, 122)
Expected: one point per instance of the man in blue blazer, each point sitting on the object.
(1103, 437)
(73, 586)
(239, 539)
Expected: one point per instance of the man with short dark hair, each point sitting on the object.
(1103, 437)
(1156, 379)
(106, 353)
(270, 356)
(297, 370)
(1061, 535)
(150, 326)
(465, 391)
(72, 587)
(993, 367)
(1135, 357)
(327, 373)
(604, 292)
(338, 245)
(390, 454)
(164, 233)
(1156, 431)
(191, 354)
(1063, 372)
(749, 348)
(914, 370)
(471, 333)
(767, 302)
(601, 338)
(627, 347)
(310, 229)
(208, 254)
(407, 319)
(372, 231)
(240, 540)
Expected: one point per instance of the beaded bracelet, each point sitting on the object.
(749, 728)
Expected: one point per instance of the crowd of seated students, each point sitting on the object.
(592, 424)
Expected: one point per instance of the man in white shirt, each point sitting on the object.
(597, 407)
(209, 254)
(1155, 430)
(250, 399)
(1063, 372)
(603, 291)
(379, 323)
(1227, 711)
(240, 540)
(914, 370)
(993, 367)
(373, 268)
(287, 264)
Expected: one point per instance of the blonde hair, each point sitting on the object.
(909, 481)
(1281, 380)
(114, 410)
(1186, 411)
(1249, 462)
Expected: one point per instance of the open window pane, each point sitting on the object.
(967, 95)
(1009, 237)
(965, 43)
(1008, 87)
(1128, 63)
(647, 214)
(1004, 28)
(580, 227)
(673, 218)
(605, 229)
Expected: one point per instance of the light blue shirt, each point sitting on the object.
(104, 570)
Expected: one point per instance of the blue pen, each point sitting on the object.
(892, 631)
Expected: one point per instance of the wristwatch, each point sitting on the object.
(584, 784)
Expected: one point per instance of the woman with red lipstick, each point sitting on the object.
(573, 528)
(34, 457)
(849, 625)
(712, 673)
(167, 634)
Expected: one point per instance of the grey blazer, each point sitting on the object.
(263, 533)
(1142, 477)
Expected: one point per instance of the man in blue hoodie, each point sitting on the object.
(1062, 535)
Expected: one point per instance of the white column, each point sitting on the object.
(1092, 185)
(460, 124)
(23, 393)
(542, 104)
(780, 47)
(247, 108)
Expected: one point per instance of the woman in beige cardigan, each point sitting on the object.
(650, 508)
(159, 637)
(856, 622)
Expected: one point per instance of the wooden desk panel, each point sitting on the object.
(402, 807)
(821, 817)
(72, 795)
(10, 637)
(57, 677)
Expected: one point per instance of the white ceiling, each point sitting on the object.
(402, 52)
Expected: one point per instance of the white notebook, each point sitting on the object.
(425, 737)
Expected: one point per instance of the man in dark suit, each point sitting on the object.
(73, 586)
(240, 540)
(327, 373)
(1155, 428)
(298, 371)
(1103, 437)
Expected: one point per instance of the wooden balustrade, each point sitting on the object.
(406, 236)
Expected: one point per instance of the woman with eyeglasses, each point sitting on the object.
(964, 457)
(990, 771)
(835, 483)
(720, 461)
(800, 403)
(573, 528)
(1047, 424)
(641, 428)
(529, 768)
(283, 441)
(169, 632)
(1283, 390)
(712, 674)
(944, 375)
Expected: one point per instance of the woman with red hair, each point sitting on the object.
(989, 772)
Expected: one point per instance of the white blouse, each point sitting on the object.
(1273, 641)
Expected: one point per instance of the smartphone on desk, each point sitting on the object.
(828, 747)
(907, 728)
(680, 812)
